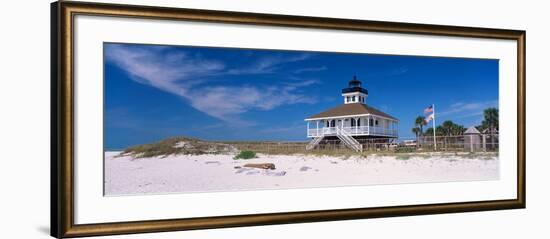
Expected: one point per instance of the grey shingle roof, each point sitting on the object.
(472, 130)
(351, 109)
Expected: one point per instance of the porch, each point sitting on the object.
(363, 125)
(353, 131)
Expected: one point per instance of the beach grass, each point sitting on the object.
(403, 157)
(177, 145)
(164, 147)
(246, 149)
(245, 155)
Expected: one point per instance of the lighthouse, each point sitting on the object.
(352, 121)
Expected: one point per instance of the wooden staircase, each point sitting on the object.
(348, 140)
(314, 142)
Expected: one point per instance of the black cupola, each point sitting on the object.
(354, 85)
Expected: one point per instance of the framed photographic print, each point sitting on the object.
(170, 119)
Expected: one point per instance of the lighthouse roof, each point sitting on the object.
(350, 109)
(354, 85)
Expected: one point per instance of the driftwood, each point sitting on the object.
(260, 165)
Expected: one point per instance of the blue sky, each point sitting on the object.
(154, 92)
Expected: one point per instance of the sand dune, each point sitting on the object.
(206, 173)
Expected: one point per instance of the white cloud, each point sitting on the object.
(171, 72)
(267, 65)
(310, 69)
(461, 109)
(399, 71)
(178, 73)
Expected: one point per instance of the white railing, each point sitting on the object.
(353, 131)
(348, 140)
(314, 142)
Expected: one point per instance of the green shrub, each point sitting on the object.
(245, 155)
(403, 157)
(405, 150)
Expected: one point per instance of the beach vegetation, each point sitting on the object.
(447, 128)
(405, 150)
(245, 155)
(177, 145)
(403, 157)
(490, 123)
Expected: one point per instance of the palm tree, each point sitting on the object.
(429, 132)
(447, 127)
(416, 131)
(490, 121)
(457, 129)
(419, 122)
(439, 130)
(460, 129)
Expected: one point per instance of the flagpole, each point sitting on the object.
(433, 121)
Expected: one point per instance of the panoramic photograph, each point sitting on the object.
(191, 119)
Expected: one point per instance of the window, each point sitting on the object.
(358, 122)
(376, 122)
(347, 98)
(370, 122)
(353, 98)
(352, 122)
(360, 99)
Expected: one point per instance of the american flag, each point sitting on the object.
(428, 110)
(429, 113)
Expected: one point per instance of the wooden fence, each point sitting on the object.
(471, 143)
(460, 143)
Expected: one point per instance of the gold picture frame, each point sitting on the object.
(62, 128)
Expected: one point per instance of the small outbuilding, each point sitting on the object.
(472, 139)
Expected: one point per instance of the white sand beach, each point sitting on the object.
(206, 173)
